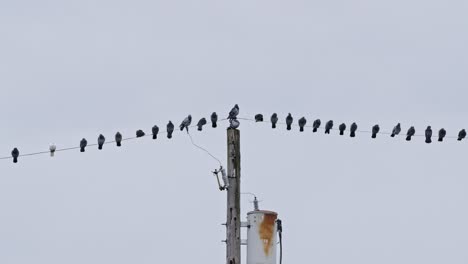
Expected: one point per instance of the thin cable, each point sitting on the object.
(207, 152)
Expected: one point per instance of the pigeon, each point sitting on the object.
(234, 112)
(214, 119)
(201, 123)
(101, 140)
(83, 144)
(342, 128)
(170, 129)
(52, 149)
(410, 133)
(316, 125)
(461, 135)
(396, 130)
(428, 135)
(234, 123)
(155, 131)
(353, 129)
(15, 155)
(328, 126)
(442, 134)
(274, 120)
(302, 122)
(258, 118)
(289, 120)
(118, 139)
(186, 123)
(140, 133)
(375, 130)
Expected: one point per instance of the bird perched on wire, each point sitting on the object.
(428, 134)
(461, 135)
(442, 134)
(52, 149)
(214, 120)
(396, 130)
(15, 155)
(118, 139)
(170, 129)
(302, 122)
(186, 123)
(274, 120)
(234, 112)
(316, 125)
(140, 133)
(258, 118)
(328, 126)
(101, 140)
(201, 123)
(375, 131)
(155, 131)
(352, 130)
(342, 128)
(234, 123)
(289, 121)
(410, 133)
(83, 144)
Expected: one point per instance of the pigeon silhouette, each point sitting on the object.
(302, 122)
(375, 131)
(342, 128)
(274, 120)
(461, 135)
(442, 134)
(289, 121)
(396, 130)
(170, 129)
(155, 131)
(428, 134)
(352, 130)
(186, 123)
(234, 123)
(15, 155)
(52, 149)
(316, 125)
(234, 112)
(258, 118)
(328, 126)
(140, 133)
(201, 123)
(410, 133)
(83, 144)
(118, 139)
(101, 140)
(214, 120)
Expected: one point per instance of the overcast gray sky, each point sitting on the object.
(74, 69)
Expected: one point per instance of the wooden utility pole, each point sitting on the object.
(233, 240)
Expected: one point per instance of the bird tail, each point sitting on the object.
(288, 127)
(353, 134)
(428, 140)
(459, 139)
(314, 130)
(392, 135)
(15, 160)
(374, 135)
(181, 128)
(273, 125)
(327, 131)
(100, 147)
(82, 150)
(341, 132)
(441, 139)
(408, 138)
(119, 144)
(199, 128)
(154, 136)
(169, 135)
(301, 129)
(52, 154)
(214, 125)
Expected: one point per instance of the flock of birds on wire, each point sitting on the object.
(234, 124)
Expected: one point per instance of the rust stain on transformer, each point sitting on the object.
(266, 232)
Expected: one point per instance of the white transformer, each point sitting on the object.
(261, 237)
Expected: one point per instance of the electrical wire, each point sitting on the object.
(205, 150)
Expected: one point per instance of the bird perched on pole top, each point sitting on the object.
(316, 125)
(118, 139)
(258, 118)
(302, 122)
(15, 155)
(52, 149)
(375, 131)
(396, 130)
(186, 123)
(214, 120)
(328, 126)
(461, 135)
(274, 120)
(101, 141)
(410, 133)
(289, 121)
(83, 144)
(140, 133)
(428, 135)
(342, 128)
(234, 112)
(234, 123)
(352, 130)
(170, 129)
(201, 123)
(442, 134)
(155, 131)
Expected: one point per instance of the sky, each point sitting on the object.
(75, 69)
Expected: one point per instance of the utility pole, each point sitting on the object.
(233, 223)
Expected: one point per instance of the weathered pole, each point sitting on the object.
(233, 240)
